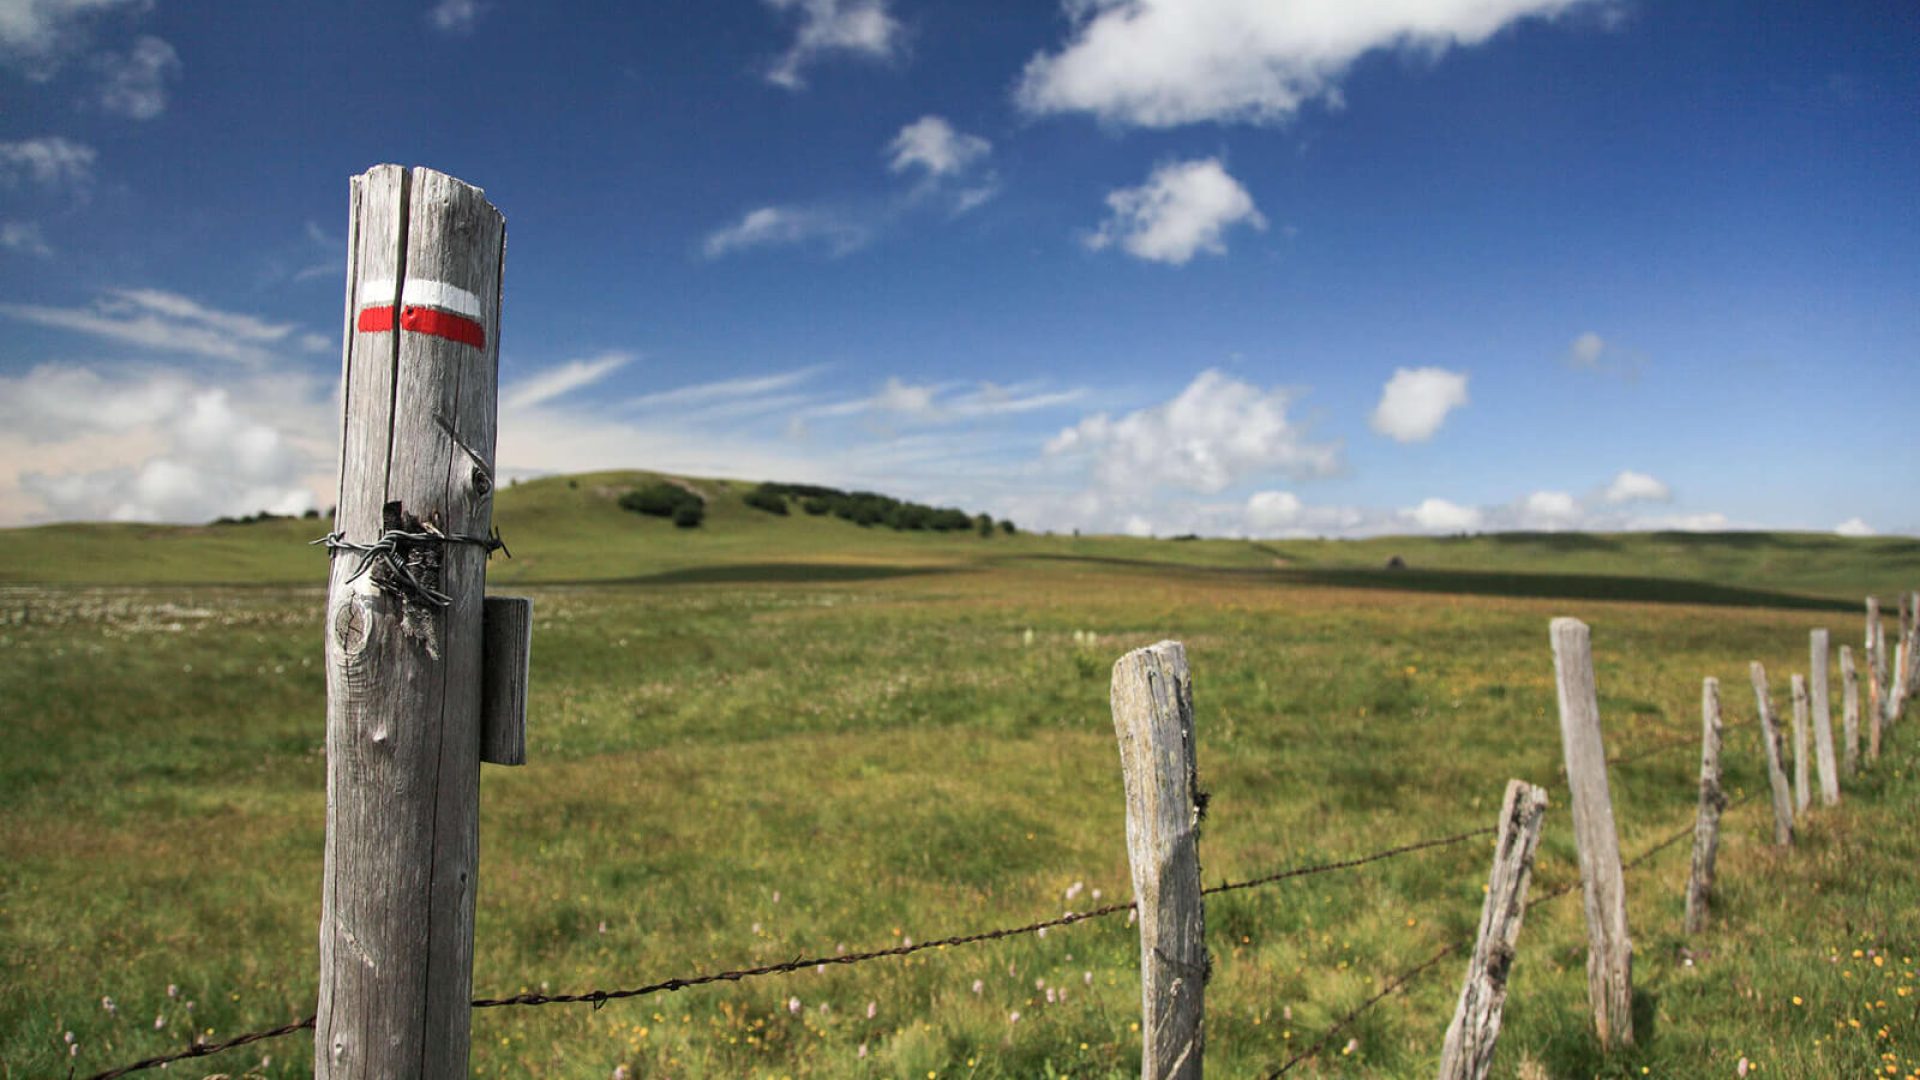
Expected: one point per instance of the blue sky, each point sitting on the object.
(1232, 266)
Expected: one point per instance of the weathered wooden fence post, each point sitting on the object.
(1850, 709)
(1902, 683)
(1153, 720)
(404, 627)
(1706, 828)
(1776, 773)
(1876, 658)
(1468, 1051)
(1822, 718)
(1802, 791)
(1602, 885)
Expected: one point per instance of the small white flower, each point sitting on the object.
(107, 1004)
(793, 1006)
(873, 1007)
(69, 1038)
(160, 1023)
(979, 985)
(1013, 1017)
(1039, 984)
(172, 990)
(1042, 931)
(863, 1050)
(1050, 995)
(1087, 978)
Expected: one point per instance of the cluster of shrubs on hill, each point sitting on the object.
(661, 499)
(863, 508)
(265, 515)
(867, 508)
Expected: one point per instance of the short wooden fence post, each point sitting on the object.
(1876, 658)
(1602, 884)
(1153, 720)
(1770, 737)
(404, 627)
(1468, 1051)
(1822, 718)
(1850, 709)
(1706, 828)
(1802, 791)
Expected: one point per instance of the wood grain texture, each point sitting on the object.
(1817, 688)
(1802, 790)
(1153, 720)
(1875, 645)
(1770, 739)
(1602, 885)
(1706, 826)
(1849, 711)
(506, 659)
(403, 676)
(1467, 1053)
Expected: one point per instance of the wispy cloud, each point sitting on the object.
(1591, 352)
(561, 380)
(51, 162)
(787, 226)
(134, 83)
(862, 28)
(744, 388)
(24, 237)
(169, 322)
(455, 16)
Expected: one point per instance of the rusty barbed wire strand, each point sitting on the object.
(1421, 968)
(389, 551)
(598, 998)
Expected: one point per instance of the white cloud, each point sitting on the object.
(944, 403)
(24, 237)
(1591, 352)
(1416, 401)
(561, 380)
(1184, 208)
(81, 443)
(134, 83)
(854, 27)
(1632, 486)
(51, 162)
(1268, 511)
(1548, 511)
(931, 143)
(154, 319)
(1161, 63)
(1215, 433)
(748, 387)
(36, 36)
(454, 16)
(785, 226)
(1854, 526)
(1439, 515)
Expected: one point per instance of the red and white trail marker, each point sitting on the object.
(426, 307)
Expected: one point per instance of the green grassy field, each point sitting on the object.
(774, 737)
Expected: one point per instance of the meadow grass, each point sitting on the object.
(736, 760)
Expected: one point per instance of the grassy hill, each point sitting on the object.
(572, 530)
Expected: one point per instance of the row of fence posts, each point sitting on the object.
(1152, 701)
(426, 678)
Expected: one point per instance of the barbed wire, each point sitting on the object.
(598, 998)
(1423, 966)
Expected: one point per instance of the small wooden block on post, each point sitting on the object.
(1468, 1051)
(1822, 718)
(1802, 791)
(1776, 772)
(1602, 884)
(507, 629)
(1706, 828)
(1153, 720)
(1850, 710)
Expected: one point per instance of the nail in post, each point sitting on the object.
(1706, 828)
(1468, 1051)
(1153, 720)
(1603, 888)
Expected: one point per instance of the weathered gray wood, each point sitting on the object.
(1467, 1053)
(1850, 710)
(1153, 720)
(1822, 718)
(1602, 886)
(1876, 658)
(403, 674)
(506, 657)
(1770, 738)
(1802, 790)
(1706, 826)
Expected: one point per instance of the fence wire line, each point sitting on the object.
(1423, 966)
(598, 998)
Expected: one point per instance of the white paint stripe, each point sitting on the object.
(378, 292)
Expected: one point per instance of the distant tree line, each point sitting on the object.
(867, 509)
(265, 515)
(661, 499)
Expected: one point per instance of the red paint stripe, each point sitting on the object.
(441, 324)
(375, 320)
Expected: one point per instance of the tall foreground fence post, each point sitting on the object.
(1468, 1051)
(1153, 720)
(1802, 792)
(1602, 885)
(1706, 828)
(1776, 773)
(1822, 718)
(404, 627)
